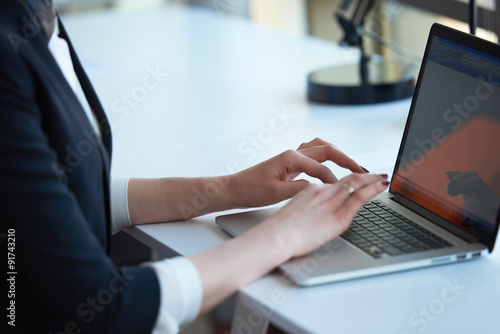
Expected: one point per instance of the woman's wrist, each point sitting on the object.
(234, 191)
(251, 255)
(277, 235)
(223, 189)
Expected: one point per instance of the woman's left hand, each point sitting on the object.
(273, 180)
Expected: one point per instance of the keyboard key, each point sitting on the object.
(393, 251)
(348, 235)
(375, 251)
(378, 229)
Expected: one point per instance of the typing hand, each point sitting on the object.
(273, 181)
(321, 212)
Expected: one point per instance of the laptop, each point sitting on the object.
(443, 202)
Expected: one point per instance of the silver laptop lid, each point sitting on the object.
(448, 166)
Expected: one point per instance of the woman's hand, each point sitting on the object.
(272, 181)
(321, 212)
(315, 216)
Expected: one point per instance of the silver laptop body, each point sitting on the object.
(446, 178)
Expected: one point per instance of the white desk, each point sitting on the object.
(226, 80)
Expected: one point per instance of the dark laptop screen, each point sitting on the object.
(449, 163)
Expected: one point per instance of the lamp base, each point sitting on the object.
(387, 80)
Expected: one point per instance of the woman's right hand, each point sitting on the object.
(320, 213)
(313, 217)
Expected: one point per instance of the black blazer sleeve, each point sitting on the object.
(65, 280)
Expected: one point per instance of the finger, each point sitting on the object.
(460, 182)
(303, 164)
(461, 176)
(470, 184)
(331, 153)
(357, 199)
(356, 181)
(292, 188)
(314, 142)
(452, 174)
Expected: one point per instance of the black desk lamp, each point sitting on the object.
(472, 16)
(372, 79)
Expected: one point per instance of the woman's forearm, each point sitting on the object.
(225, 268)
(313, 217)
(169, 199)
(238, 262)
(272, 181)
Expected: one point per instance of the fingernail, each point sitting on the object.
(366, 170)
(385, 183)
(385, 176)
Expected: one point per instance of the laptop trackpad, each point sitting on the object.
(237, 223)
(336, 256)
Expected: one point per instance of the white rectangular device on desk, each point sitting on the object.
(443, 203)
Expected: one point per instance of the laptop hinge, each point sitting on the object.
(450, 227)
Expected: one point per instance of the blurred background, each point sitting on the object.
(405, 23)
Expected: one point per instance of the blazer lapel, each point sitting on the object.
(104, 125)
(89, 91)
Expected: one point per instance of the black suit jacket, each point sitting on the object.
(54, 191)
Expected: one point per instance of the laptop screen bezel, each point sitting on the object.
(474, 43)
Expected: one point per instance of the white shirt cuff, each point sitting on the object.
(181, 294)
(120, 217)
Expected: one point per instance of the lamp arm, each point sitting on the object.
(351, 25)
(472, 16)
(393, 46)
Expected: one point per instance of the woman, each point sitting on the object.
(59, 201)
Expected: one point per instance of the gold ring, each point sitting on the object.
(348, 188)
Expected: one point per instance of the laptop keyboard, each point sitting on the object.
(378, 229)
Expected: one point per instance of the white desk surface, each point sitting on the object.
(226, 81)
